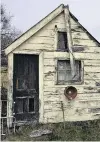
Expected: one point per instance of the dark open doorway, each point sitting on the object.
(26, 87)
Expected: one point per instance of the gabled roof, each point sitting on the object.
(39, 26)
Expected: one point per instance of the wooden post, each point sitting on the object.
(62, 108)
(68, 30)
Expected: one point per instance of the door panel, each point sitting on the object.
(26, 87)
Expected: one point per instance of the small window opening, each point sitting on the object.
(22, 105)
(62, 41)
(64, 72)
(19, 105)
(31, 104)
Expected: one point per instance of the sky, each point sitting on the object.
(26, 13)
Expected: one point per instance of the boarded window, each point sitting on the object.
(64, 72)
(62, 41)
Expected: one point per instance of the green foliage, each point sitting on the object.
(74, 131)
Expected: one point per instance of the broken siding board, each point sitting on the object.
(92, 62)
(91, 89)
(85, 49)
(35, 29)
(42, 40)
(78, 32)
(37, 47)
(94, 69)
(64, 55)
(59, 18)
(91, 81)
(80, 35)
(53, 94)
(76, 28)
(49, 69)
(60, 90)
(48, 83)
(72, 21)
(88, 49)
(49, 62)
(87, 105)
(53, 99)
(86, 56)
(83, 42)
(92, 75)
(45, 33)
(90, 97)
(49, 77)
(52, 26)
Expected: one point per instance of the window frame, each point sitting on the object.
(26, 97)
(69, 82)
(56, 40)
(65, 42)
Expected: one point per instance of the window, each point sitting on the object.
(62, 41)
(64, 72)
(24, 105)
(31, 104)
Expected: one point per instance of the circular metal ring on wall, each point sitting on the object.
(70, 92)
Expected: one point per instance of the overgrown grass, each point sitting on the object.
(74, 131)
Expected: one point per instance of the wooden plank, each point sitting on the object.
(59, 19)
(49, 62)
(50, 76)
(49, 69)
(49, 83)
(41, 40)
(92, 75)
(35, 28)
(92, 62)
(64, 55)
(84, 42)
(80, 35)
(92, 89)
(90, 81)
(10, 90)
(41, 84)
(52, 25)
(68, 30)
(76, 28)
(94, 69)
(44, 33)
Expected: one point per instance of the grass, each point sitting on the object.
(74, 131)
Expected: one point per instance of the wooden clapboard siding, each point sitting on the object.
(80, 36)
(86, 50)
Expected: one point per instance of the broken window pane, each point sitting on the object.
(61, 75)
(62, 40)
(19, 105)
(22, 83)
(68, 76)
(64, 71)
(31, 104)
(25, 105)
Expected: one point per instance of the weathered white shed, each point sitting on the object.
(56, 53)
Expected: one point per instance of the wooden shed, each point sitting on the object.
(54, 72)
